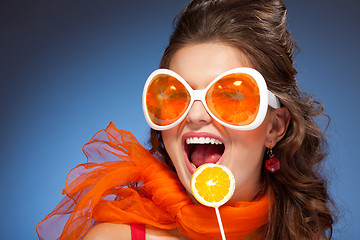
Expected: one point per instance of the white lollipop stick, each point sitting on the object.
(220, 223)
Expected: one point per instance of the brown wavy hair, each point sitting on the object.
(258, 28)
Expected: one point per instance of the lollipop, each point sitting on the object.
(213, 185)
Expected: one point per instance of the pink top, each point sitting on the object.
(137, 231)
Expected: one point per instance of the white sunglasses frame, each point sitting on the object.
(266, 98)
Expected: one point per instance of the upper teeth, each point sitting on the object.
(202, 140)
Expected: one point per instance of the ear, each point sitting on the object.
(277, 125)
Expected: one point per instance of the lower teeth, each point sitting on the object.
(193, 165)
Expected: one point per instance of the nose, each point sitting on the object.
(198, 116)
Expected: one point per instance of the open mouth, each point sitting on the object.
(201, 150)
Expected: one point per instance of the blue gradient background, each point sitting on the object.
(68, 68)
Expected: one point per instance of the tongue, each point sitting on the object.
(206, 153)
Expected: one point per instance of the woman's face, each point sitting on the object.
(240, 151)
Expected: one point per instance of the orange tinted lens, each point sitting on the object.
(234, 99)
(166, 99)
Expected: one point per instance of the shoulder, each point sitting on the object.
(109, 231)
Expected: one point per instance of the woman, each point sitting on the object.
(128, 186)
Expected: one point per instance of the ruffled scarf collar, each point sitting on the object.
(123, 183)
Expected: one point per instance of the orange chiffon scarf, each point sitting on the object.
(123, 183)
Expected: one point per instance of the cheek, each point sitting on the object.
(245, 161)
(249, 141)
(174, 149)
(171, 143)
(247, 151)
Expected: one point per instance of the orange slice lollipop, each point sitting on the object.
(212, 185)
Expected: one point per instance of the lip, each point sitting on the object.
(190, 167)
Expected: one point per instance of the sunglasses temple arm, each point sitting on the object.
(273, 100)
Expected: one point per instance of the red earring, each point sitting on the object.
(272, 164)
